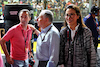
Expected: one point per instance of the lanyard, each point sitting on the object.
(25, 39)
(70, 49)
(45, 34)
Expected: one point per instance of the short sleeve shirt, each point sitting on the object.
(17, 37)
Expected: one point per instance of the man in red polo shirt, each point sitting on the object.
(19, 36)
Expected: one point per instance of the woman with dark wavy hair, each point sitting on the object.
(76, 42)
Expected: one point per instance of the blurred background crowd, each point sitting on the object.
(57, 6)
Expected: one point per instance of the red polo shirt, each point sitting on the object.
(17, 37)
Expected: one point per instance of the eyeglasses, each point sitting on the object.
(70, 15)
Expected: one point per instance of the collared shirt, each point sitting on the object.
(17, 36)
(73, 31)
(48, 49)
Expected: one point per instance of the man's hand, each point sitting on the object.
(30, 55)
(9, 60)
(32, 27)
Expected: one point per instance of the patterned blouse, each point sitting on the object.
(80, 51)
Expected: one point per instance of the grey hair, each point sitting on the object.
(48, 14)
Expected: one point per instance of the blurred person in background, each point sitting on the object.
(92, 23)
(1, 60)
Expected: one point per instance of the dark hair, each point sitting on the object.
(77, 10)
(25, 10)
(94, 10)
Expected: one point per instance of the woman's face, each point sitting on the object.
(71, 17)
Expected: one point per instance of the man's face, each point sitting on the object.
(41, 21)
(24, 18)
(97, 13)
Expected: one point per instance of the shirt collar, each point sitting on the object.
(46, 29)
(75, 27)
(28, 28)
